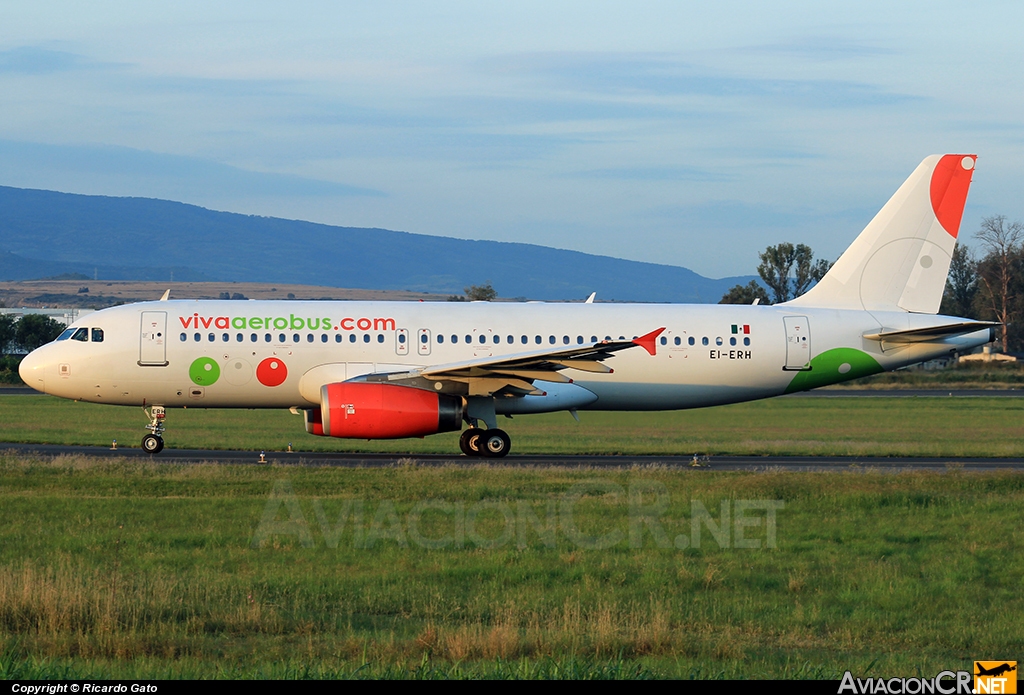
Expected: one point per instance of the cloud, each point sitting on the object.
(666, 75)
(823, 48)
(137, 172)
(664, 173)
(32, 60)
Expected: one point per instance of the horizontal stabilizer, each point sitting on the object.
(932, 333)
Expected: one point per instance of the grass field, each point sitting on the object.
(796, 426)
(114, 569)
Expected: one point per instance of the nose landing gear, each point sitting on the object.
(153, 443)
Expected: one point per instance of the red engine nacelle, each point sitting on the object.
(362, 410)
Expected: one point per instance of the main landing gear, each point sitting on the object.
(153, 443)
(492, 443)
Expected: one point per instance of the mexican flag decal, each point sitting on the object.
(744, 329)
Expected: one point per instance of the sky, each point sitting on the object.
(692, 134)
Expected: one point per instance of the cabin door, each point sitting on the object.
(798, 344)
(153, 339)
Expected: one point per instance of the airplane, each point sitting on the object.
(387, 370)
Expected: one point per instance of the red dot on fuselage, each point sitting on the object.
(271, 372)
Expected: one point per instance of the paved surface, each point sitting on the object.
(720, 463)
(908, 393)
(819, 393)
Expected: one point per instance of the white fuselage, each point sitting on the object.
(219, 354)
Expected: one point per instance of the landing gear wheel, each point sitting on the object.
(152, 444)
(469, 442)
(495, 444)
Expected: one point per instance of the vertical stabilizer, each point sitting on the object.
(901, 259)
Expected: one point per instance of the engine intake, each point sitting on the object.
(359, 410)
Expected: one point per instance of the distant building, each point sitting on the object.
(986, 355)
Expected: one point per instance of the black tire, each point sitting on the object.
(495, 444)
(469, 442)
(152, 444)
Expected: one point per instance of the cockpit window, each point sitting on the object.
(97, 335)
(81, 334)
(66, 334)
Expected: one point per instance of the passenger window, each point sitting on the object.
(536, 339)
(211, 337)
(309, 337)
(70, 331)
(746, 341)
(510, 340)
(593, 338)
(253, 337)
(225, 337)
(551, 339)
(401, 338)
(281, 338)
(565, 340)
(97, 335)
(483, 339)
(184, 337)
(455, 338)
(524, 340)
(351, 337)
(497, 339)
(380, 337)
(732, 341)
(469, 339)
(323, 338)
(295, 337)
(440, 338)
(423, 338)
(266, 338)
(337, 337)
(579, 340)
(239, 338)
(664, 340)
(366, 337)
(704, 341)
(691, 341)
(678, 340)
(197, 337)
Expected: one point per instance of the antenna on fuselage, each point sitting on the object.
(166, 296)
(590, 299)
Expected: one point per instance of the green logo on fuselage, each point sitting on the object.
(834, 366)
(204, 371)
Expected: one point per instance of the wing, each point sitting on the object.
(514, 374)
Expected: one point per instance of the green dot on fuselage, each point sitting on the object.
(204, 371)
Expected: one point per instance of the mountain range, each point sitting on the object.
(48, 233)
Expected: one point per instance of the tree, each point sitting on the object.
(7, 332)
(34, 330)
(999, 272)
(788, 271)
(480, 293)
(745, 294)
(961, 284)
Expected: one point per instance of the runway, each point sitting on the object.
(817, 393)
(709, 463)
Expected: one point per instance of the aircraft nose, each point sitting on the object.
(32, 369)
